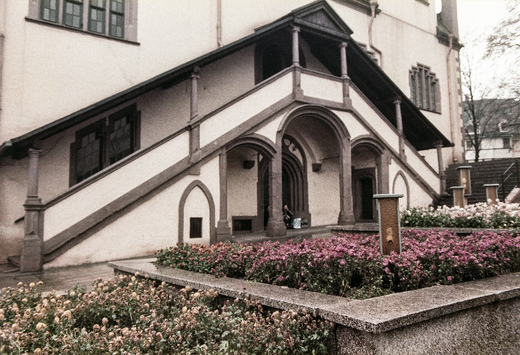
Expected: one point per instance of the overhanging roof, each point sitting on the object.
(323, 29)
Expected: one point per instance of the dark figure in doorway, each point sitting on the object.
(287, 217)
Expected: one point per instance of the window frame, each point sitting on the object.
(196, 226)
(105, 127)
(424, 88)
(128, 25)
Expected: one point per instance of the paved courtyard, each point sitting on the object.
(59, 279)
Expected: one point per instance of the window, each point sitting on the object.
(49, 10)
(195, 227)
(506, 142)
(424, 89)
(72, 13)
(111, 18)
(104, 143)
(469, 145)
(117, 18)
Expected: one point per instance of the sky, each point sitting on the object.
(477, 18)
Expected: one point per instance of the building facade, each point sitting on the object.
(130, 126)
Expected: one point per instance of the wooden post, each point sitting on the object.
(458, 196)
(465, 179)
(389, 223)
(491, 193)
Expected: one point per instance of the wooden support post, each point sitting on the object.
(389, 223)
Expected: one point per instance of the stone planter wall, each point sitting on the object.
(478, 317)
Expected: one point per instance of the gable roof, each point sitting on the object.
(323, 29)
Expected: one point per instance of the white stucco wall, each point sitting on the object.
(418, 196)
(324, 193)
(98, 194)
(150, 226)
(241, 184)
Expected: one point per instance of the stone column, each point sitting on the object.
(346, 213)
(389, 223)
(194, 129)
(344, 73)
(223, 229)
(442, 172)
(275, 225)
(297, 89)
(32, 253)
(399, 122)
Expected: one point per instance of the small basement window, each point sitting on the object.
(242, 225)
(195, 227)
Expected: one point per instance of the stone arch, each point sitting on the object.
(400, 175)
(257, 214)
(211, 204)
(369, 175)
(338, 145)
(321, 113)
(255, 141)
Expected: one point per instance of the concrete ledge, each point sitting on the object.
(374, 316)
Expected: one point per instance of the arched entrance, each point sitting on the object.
(366, 179)
(247, 199)
(294, 181)
(315, 166)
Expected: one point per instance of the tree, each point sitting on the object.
(491, 105)
(505, 42)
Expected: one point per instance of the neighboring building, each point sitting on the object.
(498, 127)
(129, 126)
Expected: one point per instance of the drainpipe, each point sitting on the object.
(450, 96)
(3, 13)
(373, 6)
(219, 23)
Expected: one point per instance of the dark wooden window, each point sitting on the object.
(242, 224)
(72, 13)
(195, 227)
(89, 152)
(104, 143)
(120, 136)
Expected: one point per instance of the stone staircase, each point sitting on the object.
(485, 172)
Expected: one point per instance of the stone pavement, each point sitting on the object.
(59, 279)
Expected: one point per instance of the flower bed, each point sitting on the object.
(479, 215)
(351, 265)
(134, 316)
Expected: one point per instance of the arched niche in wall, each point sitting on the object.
(197, 215)
(400, 186)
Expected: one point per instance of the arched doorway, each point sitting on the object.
(366, 180)
(315, 165)
(294, 181)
